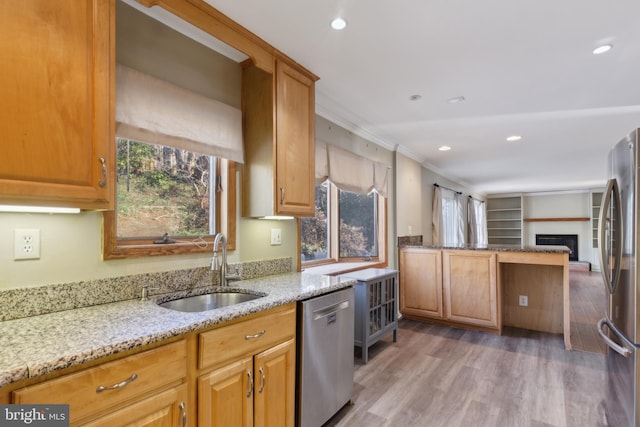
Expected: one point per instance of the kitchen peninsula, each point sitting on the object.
(487, 287)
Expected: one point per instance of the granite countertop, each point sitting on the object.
(500, 248)
(33, 346)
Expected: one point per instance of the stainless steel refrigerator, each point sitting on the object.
(618, 243)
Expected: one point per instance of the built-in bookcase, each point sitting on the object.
(504, 220)
(596, 201)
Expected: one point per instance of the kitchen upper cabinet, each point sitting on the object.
(279, 132)
(421, 282)
(56, 121)
(470, 287)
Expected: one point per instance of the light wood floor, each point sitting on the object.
(438, 376)
(588, 298)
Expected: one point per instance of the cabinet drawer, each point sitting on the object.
(245, 338)
(154, 368)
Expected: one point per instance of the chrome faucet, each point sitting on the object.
(221, 266)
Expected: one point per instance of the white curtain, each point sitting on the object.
(458, 220)
(447, 217)
(437, 233)
(155, 111)
(349, 171)
(477, 222)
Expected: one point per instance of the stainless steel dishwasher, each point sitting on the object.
(325, 356)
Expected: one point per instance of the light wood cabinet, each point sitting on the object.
(455, 287)
(421, 282)
(56, 121)
(254, 391)
(279, 129)
(139, 388)
(470, 287)
(253, 376)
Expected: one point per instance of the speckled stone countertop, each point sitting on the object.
(37, 345)
(500, 248)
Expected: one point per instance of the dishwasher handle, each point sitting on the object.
(326, 311)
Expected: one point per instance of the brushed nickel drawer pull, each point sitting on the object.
(282, 195)
(258, 335)
(103, 183)
(102, 388)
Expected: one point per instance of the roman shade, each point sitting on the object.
(349, 171)
(152, 110)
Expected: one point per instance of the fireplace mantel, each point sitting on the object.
(556, 219)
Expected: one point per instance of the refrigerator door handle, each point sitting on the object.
(611, 195)
(623, 351)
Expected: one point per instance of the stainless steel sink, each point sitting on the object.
(209, 301)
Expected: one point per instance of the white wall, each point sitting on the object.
(560, 205)
(408, 196)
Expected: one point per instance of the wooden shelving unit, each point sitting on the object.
(596, 201)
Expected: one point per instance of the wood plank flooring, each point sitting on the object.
(588, 299)
(438, 376)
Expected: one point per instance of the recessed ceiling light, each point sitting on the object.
(339, 24)
(444, 148)
(456, 100)
(513, 138)
(602, 49)
(415, 97)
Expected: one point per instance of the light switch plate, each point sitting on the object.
(276, 236)
(26, 243)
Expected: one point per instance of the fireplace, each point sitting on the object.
(569, 240)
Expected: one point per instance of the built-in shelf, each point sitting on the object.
(596, 201)
(504, 220)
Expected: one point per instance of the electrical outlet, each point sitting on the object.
(523, 300)
(276, 237)
(26, 243)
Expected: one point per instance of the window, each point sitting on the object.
(164, 191)
(164, 202)
(347, 226)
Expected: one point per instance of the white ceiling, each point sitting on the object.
(525, 67)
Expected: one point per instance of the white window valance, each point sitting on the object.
(349, 171)
(155, 111)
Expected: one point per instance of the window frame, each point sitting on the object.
(114, 248)
(333, 244)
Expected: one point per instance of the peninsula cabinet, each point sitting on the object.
(457, 287)
(279, 136)
(56, 120)
(421, 282)
(471, 287)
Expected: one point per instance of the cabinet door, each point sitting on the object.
(166, 409)
(421, 282)
(275, 386)
(55, 84)
(470, 287)
(225, 396)
(295, 147)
